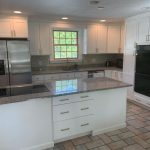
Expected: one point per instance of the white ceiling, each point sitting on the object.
(76, 9)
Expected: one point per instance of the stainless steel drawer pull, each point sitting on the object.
(65, 129)
(85, 108)
(84, 96)
(86, 124)
(65, 112)
(66, 99)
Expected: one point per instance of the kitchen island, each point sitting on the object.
(70, 109)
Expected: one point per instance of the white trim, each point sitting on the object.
(105, 130)
(40, 147)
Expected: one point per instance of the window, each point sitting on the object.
(65, 44)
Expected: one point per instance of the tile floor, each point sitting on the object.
(136, 136)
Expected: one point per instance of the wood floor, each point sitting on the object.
(136, 136)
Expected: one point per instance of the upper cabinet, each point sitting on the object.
(20, 27)
(143, 29)
(96, 38)
(39, 36)
(105, 38)
(13, 27)
(114, 39)
(130, 35)
(92, 38)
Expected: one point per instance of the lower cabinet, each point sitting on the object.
(94, 112)
(72, 115)
(68, 128)
(26, 125)
(114, 74)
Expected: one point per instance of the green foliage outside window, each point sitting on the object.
(65, 44)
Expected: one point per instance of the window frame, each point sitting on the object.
(67, 27)
(77, 38)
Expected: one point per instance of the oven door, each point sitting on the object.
(143, 59)
(142, 84)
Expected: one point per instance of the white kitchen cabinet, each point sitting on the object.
(102, 38)
(72, 127)
(26, 125)
(114, 74)
(131, 38)
(13, 27)
(91, 111)
(80, 74)
(39, 38)
(109, 110)
(92, 38)
(114, 39)
(96, 38)
(72, 115)
(122, 38)
(143, 29)
(5, 27)
(20, 26)
(34, 37)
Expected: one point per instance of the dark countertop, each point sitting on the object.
(67, 87)
(46, 71)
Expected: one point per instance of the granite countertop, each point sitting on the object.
(67, 87)
(46, 71)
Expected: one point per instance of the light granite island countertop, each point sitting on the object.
(67, 87)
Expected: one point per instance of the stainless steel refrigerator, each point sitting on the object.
(15, 66)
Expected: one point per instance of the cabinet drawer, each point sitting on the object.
(72, 98)
(51, 77)
(85, 124)
(72, 110)
(64, 129)
(36, 78)
(71, 127)
(66, 75)
(81, 74)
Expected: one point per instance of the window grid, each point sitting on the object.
(65, 44)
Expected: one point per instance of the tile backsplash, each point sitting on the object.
(43, 61)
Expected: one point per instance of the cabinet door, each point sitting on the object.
(113, 38)
(45, 38)
(130, 35)
(92, 38)
(143, 29)
(122, 39)
(34, 37)
(5, 28)
(102, 38)
(20, 27)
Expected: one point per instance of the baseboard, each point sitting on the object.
(72, 137)
(105, 130)
(40, 147)
(139, 104)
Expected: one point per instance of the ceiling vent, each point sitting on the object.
(94, 2)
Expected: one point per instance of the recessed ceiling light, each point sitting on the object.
(17, 12)
(64, 18)
(100, 7)
(103, 20)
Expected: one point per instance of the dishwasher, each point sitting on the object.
(96, 73)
